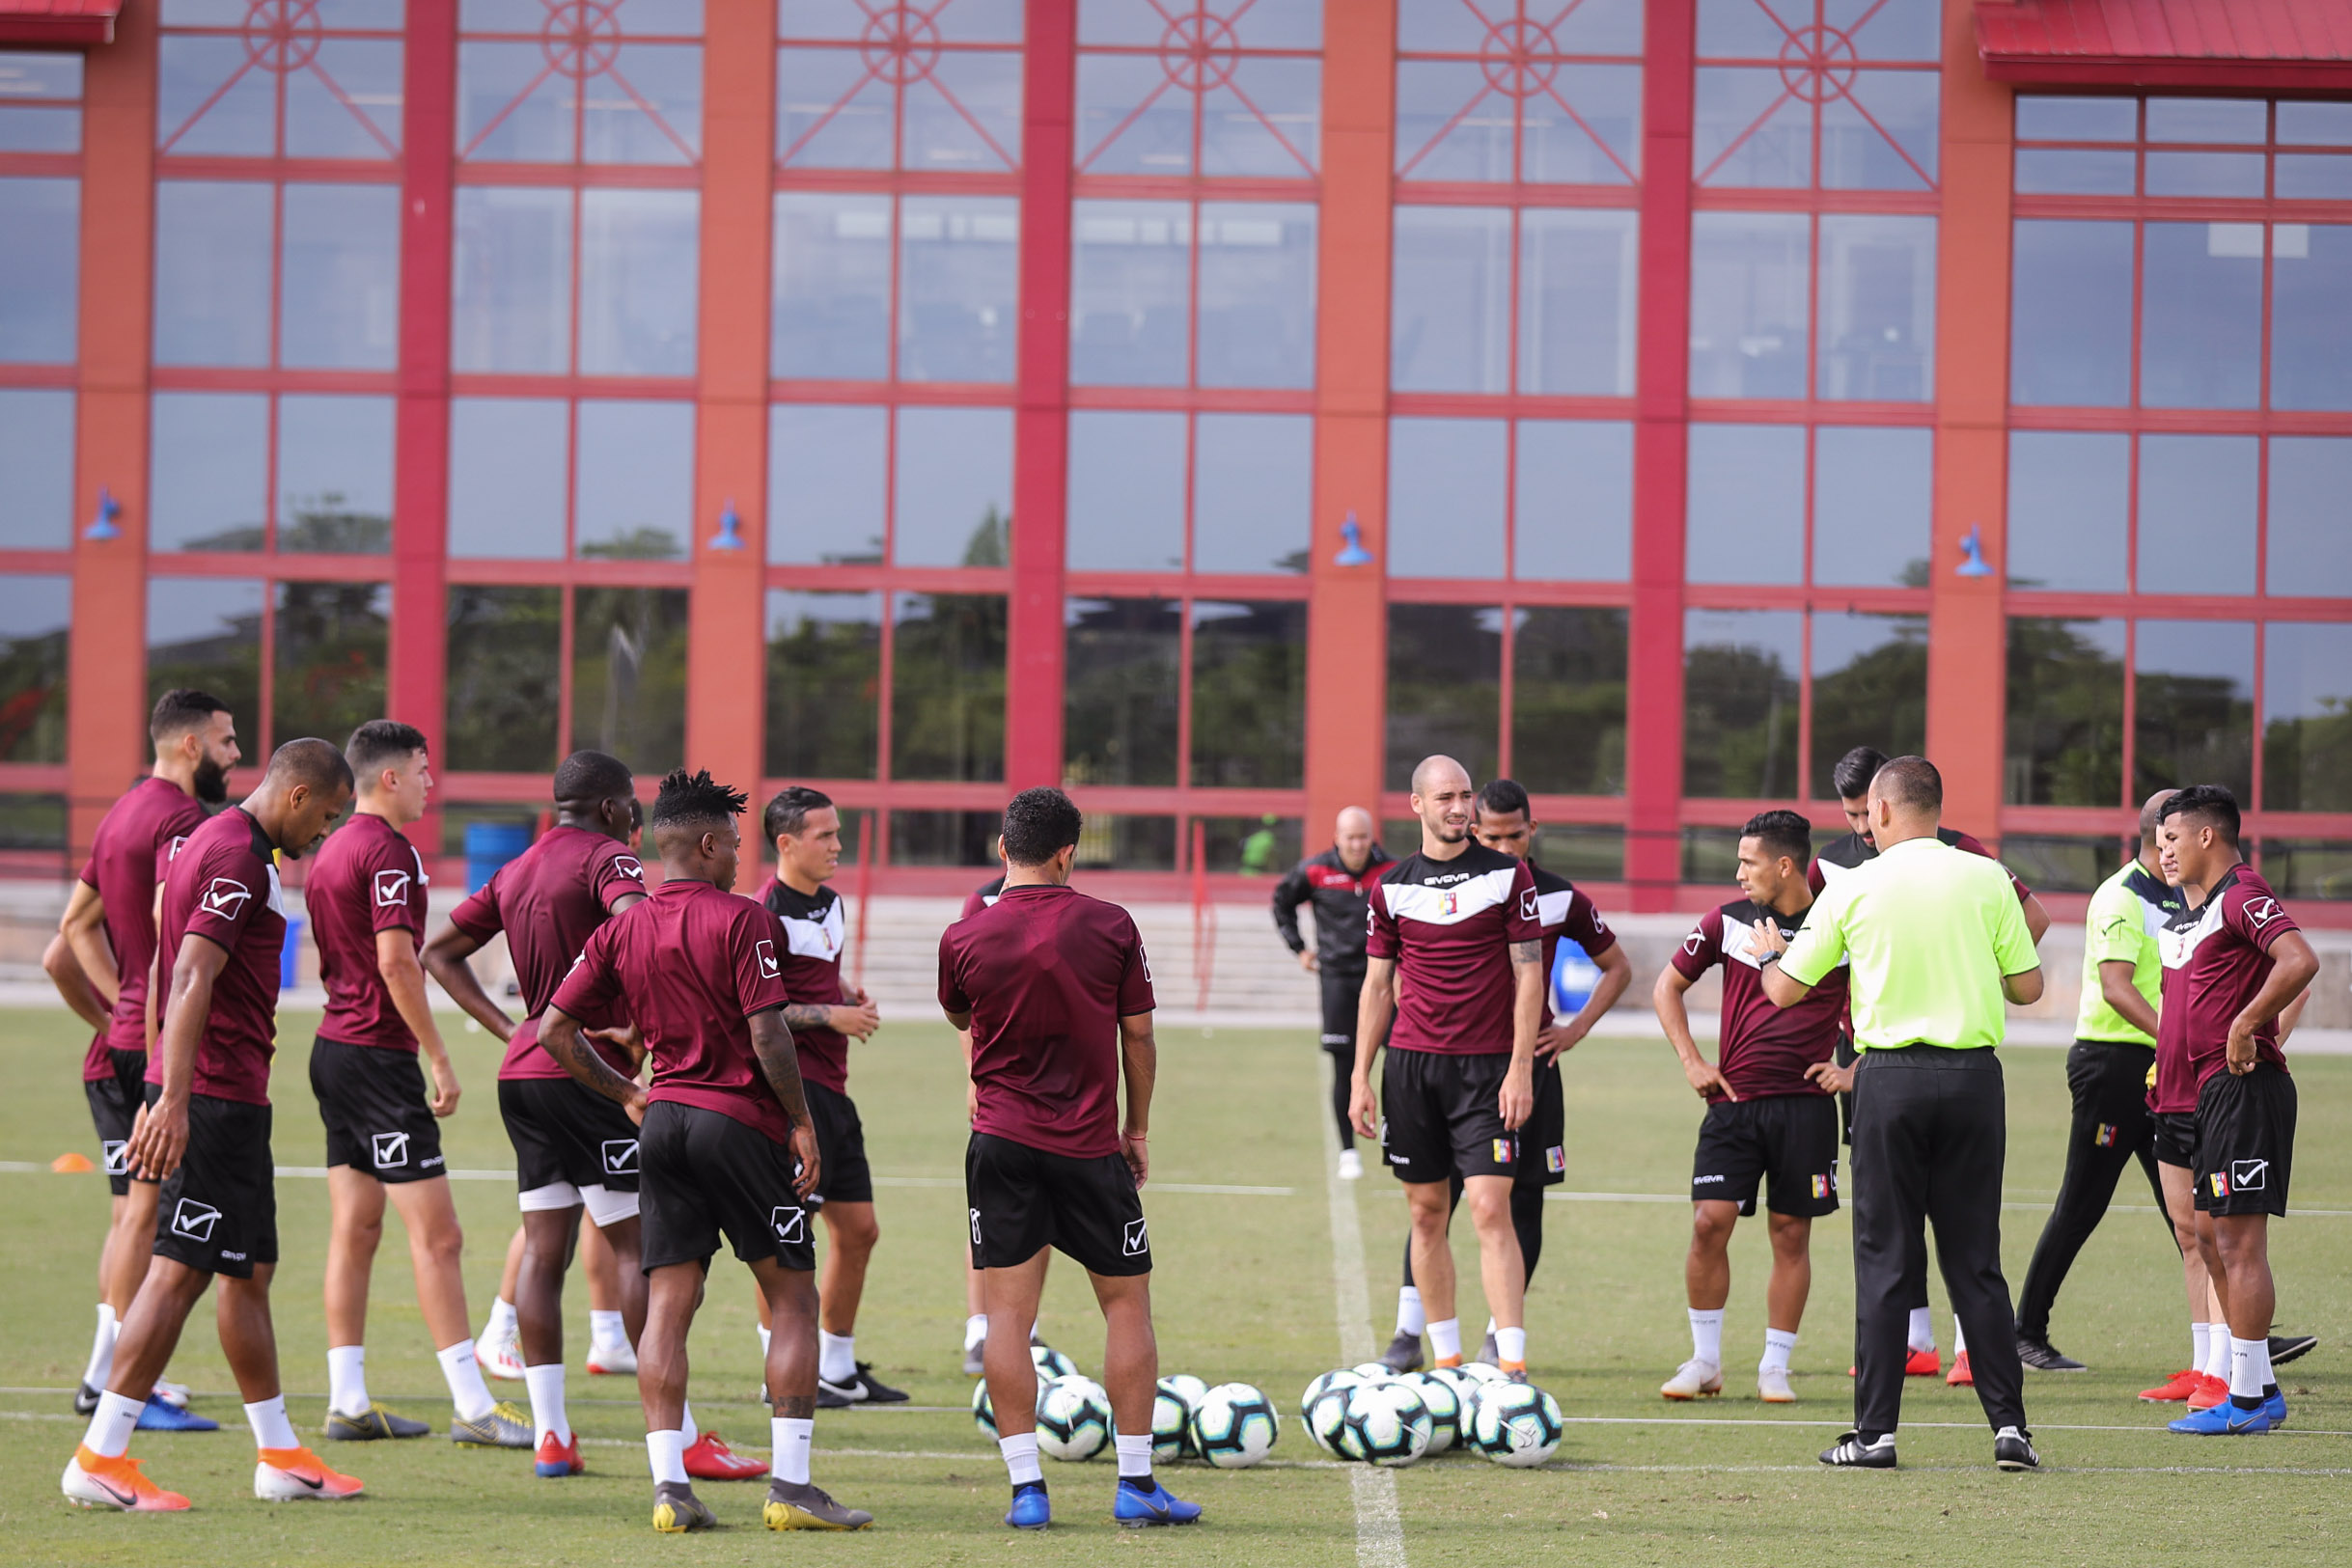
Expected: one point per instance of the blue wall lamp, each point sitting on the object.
(730, 535)
(103, 525)
(1351, 545)
(1972, 555)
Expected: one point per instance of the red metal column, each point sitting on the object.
(1033, 700)
(1654, 677)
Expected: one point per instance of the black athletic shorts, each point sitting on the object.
(114, 1110)
(219, 1212)
(372, 1101)
(843, 1175)
(1786, 1142)
(565, 1132)
(2176, 1138)
(1543, 1157)
(1024, 1199)
(1343, 990)
(1440, 1115)
(2245, 1141)
(702, 1173)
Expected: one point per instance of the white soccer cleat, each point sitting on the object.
(1772, 1385)
(611, 1361)
(501, 1358)
(1694, 1380)
(1351, 1166)
(299, 1475)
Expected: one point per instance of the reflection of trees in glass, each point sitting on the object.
(2192, 729)
(33, 822)
(1248, 694)
(1568, 723)
(944, 838)
(2061, 864)
(1739, 722)
(2309, 867)
(505, 682)
(33, 697)
(330, 665)
(628, 675)
(1445, 681)
(2065, 716)
(325, 524)
(1119, 695)
(824, 686)
(2306, 762)
(244, 537)
(992, 542)
(1250, 845)
(948, 687)
(637, 544)
(227, 663)
(1127, 844)
(1876, 698)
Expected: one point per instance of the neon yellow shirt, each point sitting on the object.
(1929, 932)
(2120, 927)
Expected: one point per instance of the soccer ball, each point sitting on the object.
(1373, 1372)
(984, 1408)
(1482, 1372)
(1342, 1379)
(1516, 1424)
(1444, 1400)
(1073, 1418)
(1171, 1408)
(1185, 1384)
(1326, 1418)
(1234, 1426)
(1387, 1423)
(1051, 1364)
(1465, 1386)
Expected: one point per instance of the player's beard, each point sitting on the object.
(1449, 833)
(211, 783)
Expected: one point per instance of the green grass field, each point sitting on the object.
(1244, 1291)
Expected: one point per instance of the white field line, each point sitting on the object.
(1379, 1528)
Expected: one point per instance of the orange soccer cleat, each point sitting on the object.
(556, 1459)
(95, 1481)
(1961, 1376)
(299, 1475)
(2210, 1391)
(709, 1459)
(2174, 1389)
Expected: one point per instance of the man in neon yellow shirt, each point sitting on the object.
(1934, 943)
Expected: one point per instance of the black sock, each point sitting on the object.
(1146, 1484)
(1028, 1486)
(2270, 1391)
(2246, 1401)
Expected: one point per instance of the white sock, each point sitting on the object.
(1960, 1336)
(270, 1427)
(502, 1326)
(1134, 1456)
(606, 1330)
(2217, 1351)
(766, 1338)
(347, 1379)
(1707, 1336)
(836, 1358)
(2198, 1346)
(975, 1331)
(2247, 1371)
(692, 1432)
(1020, 1452)
(111, 1426)
(1410, 1318)
(1922, 1328)
(547, 1415)
(463, 1375)
(102, 1349)
(792, 1436)
(1446, 1341)
(666, 1453)
(1779, 1344)
(1511, 1345)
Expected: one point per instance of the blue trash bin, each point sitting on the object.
(488, 845)
(290, 956)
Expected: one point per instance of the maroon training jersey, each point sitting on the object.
(1450, 925)
(1564, 911)
(983, 897)
(691, 965)
(365, 879)
(549, 900)
(1046, 974)
(1763, 1050)
(223, 887)
(129, 856)
(2216, 957)
(813, 927)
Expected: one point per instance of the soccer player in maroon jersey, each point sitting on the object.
(108, 937)
(205, 1133)
(1055, 992)
(699, 972)
(1455, 958)
(2233, 965)
(1770, 1121)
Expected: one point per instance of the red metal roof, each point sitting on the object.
(2261, 46)
(73, 24)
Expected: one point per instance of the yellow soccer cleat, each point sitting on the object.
(676, 1510)
(801, 1506)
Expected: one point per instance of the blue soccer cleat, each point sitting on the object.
(1136, 1509)
(1032, 1509)
(157, 1416)
(2274, 1409)
(2224, 1420)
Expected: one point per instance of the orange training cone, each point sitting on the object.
(71, 1165)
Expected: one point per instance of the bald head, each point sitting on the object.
(1435, 774)
(1352, 836)
(2151, 816)
(1445, 802)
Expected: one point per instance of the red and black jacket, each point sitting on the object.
(1339, 897)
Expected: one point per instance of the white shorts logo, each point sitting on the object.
(391, 889)
(194, 1220)
(621, 1156)
(225, 897)
(976, 1227)
(114, 1154)
(792, 1225)
(767, 961)
(391, 1150)
(1137, 1241)
(2248, 1175)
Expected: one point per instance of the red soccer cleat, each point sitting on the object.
(2174, 1389)
(2210, 1391)
(708, 1459)
(558, 1459)
(1924, 1363)
(1961, 1376)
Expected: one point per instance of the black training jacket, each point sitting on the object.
(1338, 895)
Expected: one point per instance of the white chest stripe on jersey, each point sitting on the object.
(1552, 909)
(815, 939)
(2176, 945)
(1453, 904)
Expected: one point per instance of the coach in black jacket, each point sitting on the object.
(1338, 882)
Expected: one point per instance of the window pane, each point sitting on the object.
(2070, 313)
(826, 469)
(2076, 170)
(1747, 129)
(40, 257)
(1257, 295)
(1445, 502)
(1750, 275)
(1567, 715)
(2205, 174)
(1131, 292)
(954, 487)
(656, 117)
(506, 677)
(2207, 120)
(36, 454)
(2315, 125)
(2060, 864)
(1739, 701)
(1265, 121)
(958, 281)
(2309, 867)
(511, 282)
(2200, 319)
(1880, 134)
(1248, 694)
(1747, 504)
(1605, 149)
(824, 684)
(36, 93)
(1129, 122)
(206, 632)
(629, 675)
(2307, 717)
(2076, 119)
(637, 282)
(832, 293)
(831, 112)
(347, 105)
(35, 615)
(1445, 688)
(511, 107)
(945, 839)
(210, 100)
(1437, 136)
(2325, 179)
(335, 474)
(967, 115)
(1120, 703)
(508, 460)
(212, 273)
(2070, 511)
(1253, 491)
(2310, 330)
(327, 676)
(2196, 513)
(1870, 689)
(1266, 845)
(1576, 301)
(209, 470)
(1896, 30)
(2311, 534)
(2065, 713)
(1108, 841)
(1450, 323)
(2192, 698)
(635, 491)
(947, 687)
(1873, 493)
(1574, 500)
(342, 291)
(1878, 308)
(1126, 493)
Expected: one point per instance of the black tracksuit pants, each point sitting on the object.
(1930, 1137)
(1342, 989)
(2108, 1080)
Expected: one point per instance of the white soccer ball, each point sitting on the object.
(1234, 1426)
(984, 1408)
(1172, 1406)
(1051, 1364)
(1326, 1419)
(1374, 1371)
(1481, 1372)
(1515, 1424)
(1445, 1400)
(1387, 1423)
(1344, 1378)
(1073, 1418)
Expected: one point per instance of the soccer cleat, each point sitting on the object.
(501, 1358)
(677, 1510)
(800, 1506)
(2174, 1389)
(1852, 1453)
(1694, 1379)
(1403, 1354)
(2224, 1420)
(1772, 1385)
(1135, 1508)
(158, 1417)
(2285, 1347)
(1960, 1377)
(2210, 1391)
(973, 1365)
(299, 1475)
(611, 1361)
(2013, 1449)
(170, 1394)
(1513, 1371)
(1925, 1363)
(1489, 1352)
(96, 1482)
(709, 1459)
(556, 1459)
(2044, 1357)
(861, 1389)
(1032, 1509)
(2274, 1406)
(503, 1426)
(86, 1400)
(376, 1423)
(1351, 1168)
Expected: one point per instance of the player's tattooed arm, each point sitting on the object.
(561, 1037)
(771, 1042)
(806, 1015)
(1527, 952)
